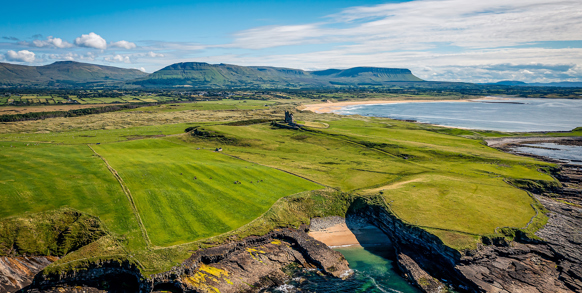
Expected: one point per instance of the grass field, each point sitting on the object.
(429, 179)
(38, 178)
(432, 177)
(9, 110)
(184, 194)
(227, 104)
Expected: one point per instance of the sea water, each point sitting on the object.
(566, 153)
(515, 115)
(372, 272)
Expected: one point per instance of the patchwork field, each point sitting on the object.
(9, 110)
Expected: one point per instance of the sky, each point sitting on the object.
(445, 40)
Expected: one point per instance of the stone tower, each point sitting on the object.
(289, 117)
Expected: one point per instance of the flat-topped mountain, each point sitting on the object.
(198, 74)
(63, 73)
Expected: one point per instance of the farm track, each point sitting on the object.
(129, 197)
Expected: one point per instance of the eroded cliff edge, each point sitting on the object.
(245, 266)
(552, 264)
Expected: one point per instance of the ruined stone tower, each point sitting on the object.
(289, 118)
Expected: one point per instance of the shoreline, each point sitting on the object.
(329, 107)
(336, 232)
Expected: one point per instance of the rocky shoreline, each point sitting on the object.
(18, 272)
(245, 266)
(553, 264)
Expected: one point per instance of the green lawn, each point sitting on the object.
(430, 179)
(46, 177)
(97, 136)
(459, 203)
(449, 185)
(177, 208)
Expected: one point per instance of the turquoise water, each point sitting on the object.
(373, 272)
(519, 115)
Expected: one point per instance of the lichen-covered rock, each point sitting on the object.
(252, 264)
(244, 266)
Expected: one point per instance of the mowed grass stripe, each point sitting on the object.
(462, 187)
(127, 192)
(47, 177)
(176, 208)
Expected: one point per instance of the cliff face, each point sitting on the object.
(17, 272)
(551, 265)
(248, 265)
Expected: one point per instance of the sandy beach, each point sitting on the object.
(334, 232)
(331, 107)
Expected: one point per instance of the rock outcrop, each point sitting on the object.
(245, 266)
(418, 276)
(254, 263)
(552, 265)
(18, 272)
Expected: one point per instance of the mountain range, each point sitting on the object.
(64, 73)
(201, 75)
(197, 75)
(554, 84)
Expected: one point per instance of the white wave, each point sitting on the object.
(286, 288)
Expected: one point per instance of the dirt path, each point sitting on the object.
(392, 186)
(129, 197)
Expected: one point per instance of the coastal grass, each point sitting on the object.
(473, 205)
(289, 211)
(431, 180)
(156, 117)
(185, 194)
(324, 159)
(44, 177)
(443, 180)
(225, 104)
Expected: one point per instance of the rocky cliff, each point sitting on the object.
(17, 272)
(245, 266)
(552, 265)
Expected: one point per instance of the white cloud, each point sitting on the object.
(92, 40)
(89, 56)
(468, 24)
(66, 56)
(142, 69)
(118, 59)
(123, 44)
(437, 39)
(20, 56)
(154, 55)
(52, 42)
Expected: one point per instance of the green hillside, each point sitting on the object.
(184, 194)
(197, 74)
(64, 73)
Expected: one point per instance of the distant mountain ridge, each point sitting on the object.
(64, 73)
(199, 74)
(554, 84)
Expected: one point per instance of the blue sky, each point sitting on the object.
(455, 40)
